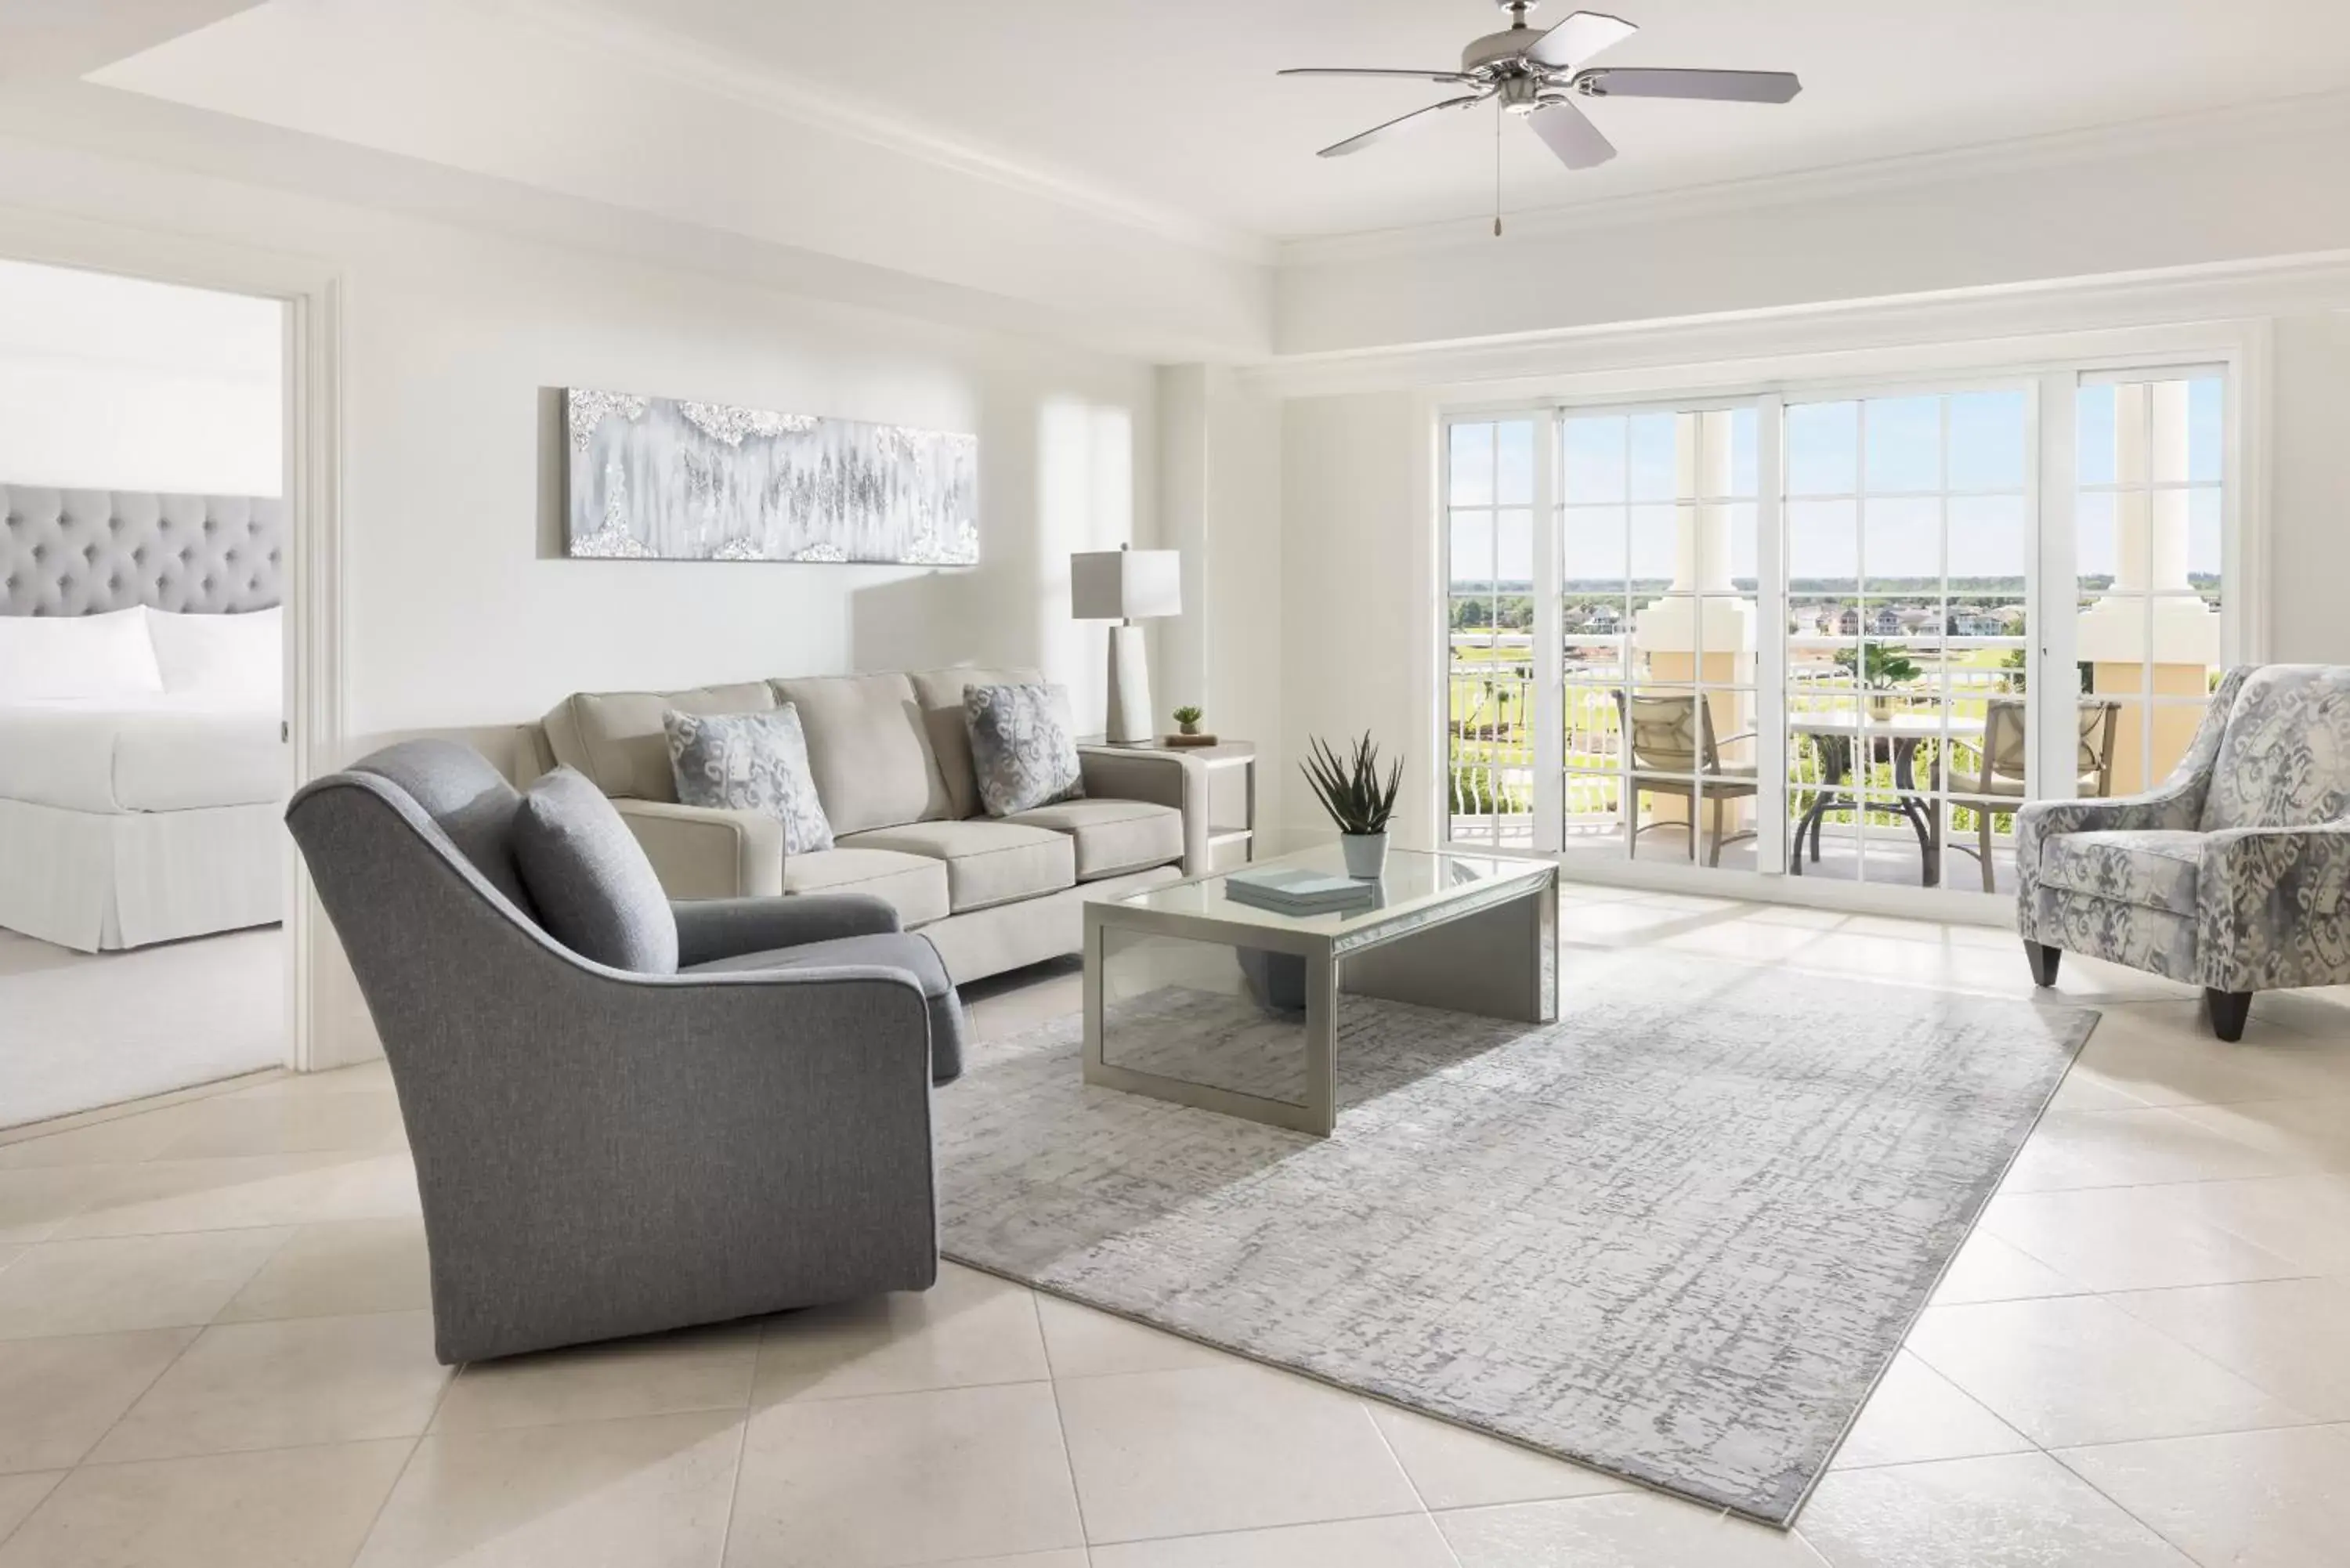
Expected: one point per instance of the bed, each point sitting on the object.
(142, 761)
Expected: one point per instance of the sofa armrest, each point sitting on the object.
(2272, 907)
(701, 852)
(1161, 778)
(712, 929)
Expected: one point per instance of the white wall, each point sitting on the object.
(116, 383)
(462, 611)
(2309, 488)
(1358, 540)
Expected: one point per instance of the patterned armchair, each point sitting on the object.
(2234, 874)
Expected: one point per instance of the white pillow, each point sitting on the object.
(68, 658)
(234, 657)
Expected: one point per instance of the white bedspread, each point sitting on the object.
(164, 754)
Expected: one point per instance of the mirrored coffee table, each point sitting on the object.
(1196, 997)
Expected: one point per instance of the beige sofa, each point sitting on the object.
(892, 763)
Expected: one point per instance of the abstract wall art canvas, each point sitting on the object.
(673, 480)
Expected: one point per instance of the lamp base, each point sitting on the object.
(1128, 721)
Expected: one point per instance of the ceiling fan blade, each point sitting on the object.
(1568, 132)
(1728, 87)
(1579, 37)
(1445, 76)
(1356, 143)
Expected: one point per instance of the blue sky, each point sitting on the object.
(1844, 490)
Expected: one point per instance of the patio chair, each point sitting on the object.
(2233, 875)
(1998, 772)
(1674, 752)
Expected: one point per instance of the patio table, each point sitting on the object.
(1833, 735)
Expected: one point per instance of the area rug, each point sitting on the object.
(1677, 1236)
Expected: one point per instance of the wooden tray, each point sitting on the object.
(1187, 739)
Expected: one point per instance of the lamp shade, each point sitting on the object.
(1125, 585)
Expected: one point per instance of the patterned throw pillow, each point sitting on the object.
(750, 761)
(1023, 746)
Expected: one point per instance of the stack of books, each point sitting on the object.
(1295, 891)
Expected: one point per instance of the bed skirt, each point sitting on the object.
(95, 881)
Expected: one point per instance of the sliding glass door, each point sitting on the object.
(1908, 548)
(1834, 636)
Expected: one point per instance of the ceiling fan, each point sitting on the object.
(1539, 74)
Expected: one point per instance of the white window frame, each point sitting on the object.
(2051, 368)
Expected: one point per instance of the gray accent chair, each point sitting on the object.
(2234, 874)
(603, 1153)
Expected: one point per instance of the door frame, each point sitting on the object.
(309, 290)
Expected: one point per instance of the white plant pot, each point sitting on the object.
(1366, 852)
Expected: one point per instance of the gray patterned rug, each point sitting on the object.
(1677, 1236)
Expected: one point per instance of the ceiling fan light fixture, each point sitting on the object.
(1536, 74)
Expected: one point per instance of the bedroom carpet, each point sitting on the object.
(1677, 1235)
(78, 1031)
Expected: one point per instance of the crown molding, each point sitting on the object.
(2304, 115)
(2207, 291)
(591, 27)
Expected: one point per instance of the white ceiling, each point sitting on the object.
(1174, 102)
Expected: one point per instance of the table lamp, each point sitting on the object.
(1126, 586)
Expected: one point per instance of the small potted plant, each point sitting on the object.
(1358, 799)
(1187, 719)
(1883, 674)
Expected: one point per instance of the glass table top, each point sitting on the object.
(1415, 880)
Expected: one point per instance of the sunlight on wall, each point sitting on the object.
(1084, 501)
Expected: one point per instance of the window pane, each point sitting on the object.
(1592, 451)
(1822, 546)
(1905, 444)
(1744, 469)
(1823, 448)
(2094, 434)
(1990, 545)
(1514, 551)
(1472, 549)
(1472, 465)
(1656, 535)
(1592, 549)
(2206, 430)
(1987, 441)
(1901, 545)
(1514, 444)
(1654, 450)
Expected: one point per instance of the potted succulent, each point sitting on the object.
(1358, 799)
(1187, 719)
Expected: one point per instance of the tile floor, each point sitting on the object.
(214, 1351)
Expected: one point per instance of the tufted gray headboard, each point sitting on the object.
(83, 552)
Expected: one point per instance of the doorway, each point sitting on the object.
(147, 554)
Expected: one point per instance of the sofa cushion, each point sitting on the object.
(939, 694)
(2284, 759)
(914, 884)
(749, 762)
(1113, 836)
(2152, 870)
(867, 746)
(594, 891)
(617, 740)
(987, 862)
(1024, 747)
